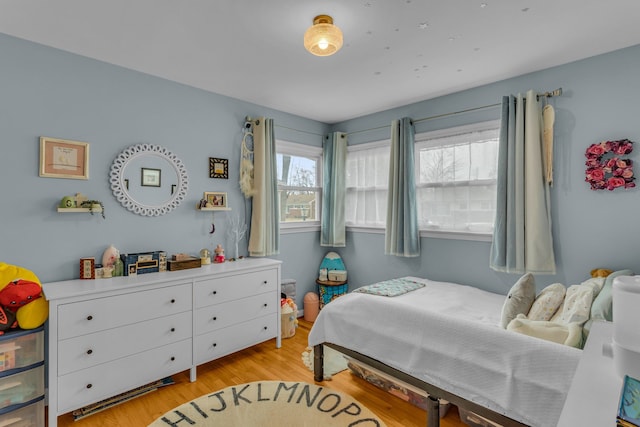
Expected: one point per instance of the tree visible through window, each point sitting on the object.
(299, 182)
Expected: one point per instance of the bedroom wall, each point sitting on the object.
(53, 93)
(48, 92)
(591, 228)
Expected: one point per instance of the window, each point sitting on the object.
(299, 183)
(456, 171)
(367, 179)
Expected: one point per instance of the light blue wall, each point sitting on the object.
(44, 91)
(591, 228)
(47, 92)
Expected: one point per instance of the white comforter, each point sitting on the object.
(448, 335)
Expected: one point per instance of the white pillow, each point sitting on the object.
(577, 305)
(596, 284)
(519, 299)
(570, 334)
(547, 302)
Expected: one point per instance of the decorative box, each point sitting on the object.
(337, 275)
(143, 262)
(184, 264)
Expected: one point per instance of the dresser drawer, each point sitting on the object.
(215, 291)
(100, 382)
(22, 387)
(89, 350)
(98, 314)
(21, 348)
(219, 316)
(227, 340)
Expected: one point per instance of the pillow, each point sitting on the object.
(569, 334)
(577, 305)
(596, 284)
(519, 299)
(601, 307)
(547, 302)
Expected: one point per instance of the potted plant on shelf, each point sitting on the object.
(96, 205)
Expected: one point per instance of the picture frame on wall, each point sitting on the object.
(218, 168)
(150, 177)
(63, 158)
(215, 199)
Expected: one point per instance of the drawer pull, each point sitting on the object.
(214, 292)
(173, 358)
(265, 328)
(215, 318)
(173, 329)
(173, 301)
(265, 282)
(215, 344)
(89, 351)
(89, 317)
(265, 304)
(89, 385)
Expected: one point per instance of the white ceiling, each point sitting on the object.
(395, 51)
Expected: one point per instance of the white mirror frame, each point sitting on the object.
(116, 179)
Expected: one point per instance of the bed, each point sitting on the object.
(445, 339)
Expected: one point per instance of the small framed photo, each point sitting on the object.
(218, 168)
(215, 200)
(61, 158)
(150, 177)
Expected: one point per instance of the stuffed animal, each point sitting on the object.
(600, 272)
(34, 313)
(19, 293)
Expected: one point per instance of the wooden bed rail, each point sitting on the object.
(435, 393)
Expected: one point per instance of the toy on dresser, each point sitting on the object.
(22, 304)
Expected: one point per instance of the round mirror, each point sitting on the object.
(148, 180)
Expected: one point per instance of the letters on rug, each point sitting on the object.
(271, 403)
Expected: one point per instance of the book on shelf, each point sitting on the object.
(629, 407)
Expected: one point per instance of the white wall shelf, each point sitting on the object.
(72, 210)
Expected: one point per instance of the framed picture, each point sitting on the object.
(150, 177)
(218, 168)
(61, 158)
(215, 200)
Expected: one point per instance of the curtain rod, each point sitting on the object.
(257, 122)
(549, 94)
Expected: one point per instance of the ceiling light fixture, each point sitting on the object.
(323, 38)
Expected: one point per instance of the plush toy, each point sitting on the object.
(19, 293)
(600, 272)
(34, 313)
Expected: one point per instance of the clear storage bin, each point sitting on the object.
(19, 349)
(29, 415)
(22, 386)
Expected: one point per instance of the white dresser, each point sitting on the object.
(108, 336)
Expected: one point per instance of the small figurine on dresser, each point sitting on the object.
(219, 251)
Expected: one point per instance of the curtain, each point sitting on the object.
(334, 157)
(264, 238)
(402, 237)
(522, 239)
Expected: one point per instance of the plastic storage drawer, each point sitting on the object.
(27, 415)
(21, 349)
(21, 387)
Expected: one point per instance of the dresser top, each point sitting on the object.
(79, 287)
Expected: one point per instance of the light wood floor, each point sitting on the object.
(261, 362)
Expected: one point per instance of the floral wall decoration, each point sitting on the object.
(605, 168)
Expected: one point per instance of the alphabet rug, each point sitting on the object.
(271, 403)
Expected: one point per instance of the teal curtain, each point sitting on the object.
(402, 237)
(264, 237)
(522, 238)
(334, 158)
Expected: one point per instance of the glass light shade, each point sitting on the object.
(323, 38)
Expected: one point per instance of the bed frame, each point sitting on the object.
(435, 393)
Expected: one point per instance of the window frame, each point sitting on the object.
(419, 140)
(309, 151)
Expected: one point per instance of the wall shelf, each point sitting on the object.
(213, 209)
(71, 210)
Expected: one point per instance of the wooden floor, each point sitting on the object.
(261, 362)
